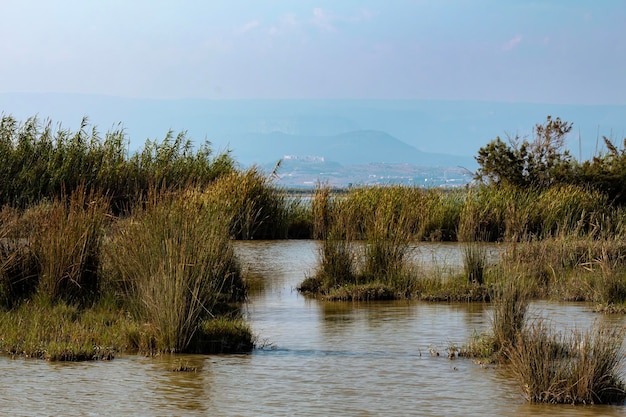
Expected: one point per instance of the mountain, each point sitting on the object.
(350, 148)
(457, 128)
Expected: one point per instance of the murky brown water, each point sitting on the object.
(321, 359)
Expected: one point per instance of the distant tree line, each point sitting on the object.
(542, 162)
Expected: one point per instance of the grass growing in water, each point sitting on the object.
(510, 297)
(474, 262)
(577, 368)
(376, 268)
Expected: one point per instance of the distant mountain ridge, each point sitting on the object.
(431, 127)
(349, 148)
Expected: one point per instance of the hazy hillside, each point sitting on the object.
(404, 126)
(350, 148)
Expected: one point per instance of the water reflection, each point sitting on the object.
(181, 390)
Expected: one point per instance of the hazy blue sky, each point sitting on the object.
(545, 51)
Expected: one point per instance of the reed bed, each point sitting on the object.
(574, 269)
(511, 214)
(43, 160)
(170, 265)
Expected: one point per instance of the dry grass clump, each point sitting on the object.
(175, 260)
(170, 264)
(474, 262)
(258, 209)
(513, 214)
(510, 298)
(19, 268)
(573, 368)
(66, 242)
(573, 269)
(451, 288)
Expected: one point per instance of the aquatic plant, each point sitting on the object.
(63, 332)
(510, 298)
(573, 368)
(474, 262)
(380, 261)
(223, 335)
(258, 209)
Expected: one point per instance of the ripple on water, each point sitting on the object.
(352, 359)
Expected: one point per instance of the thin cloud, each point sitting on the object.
(363, 15)
(287, 23)
(247, 27)
(513, 43)
(328, 21)
(323, 20)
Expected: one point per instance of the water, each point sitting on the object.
(349, 359)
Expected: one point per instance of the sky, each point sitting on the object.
(549, 51)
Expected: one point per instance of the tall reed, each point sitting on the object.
(387, 247)
(510, 298)
(474, 262)
(44, 161)
(513, 214)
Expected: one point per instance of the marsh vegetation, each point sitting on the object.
(103, 251)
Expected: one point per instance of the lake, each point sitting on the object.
(316, 358)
